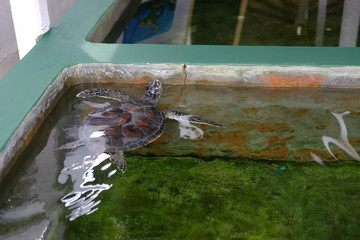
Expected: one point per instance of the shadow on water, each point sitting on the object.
(201, 183)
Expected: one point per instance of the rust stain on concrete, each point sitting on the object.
(279, 81)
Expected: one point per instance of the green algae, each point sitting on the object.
(188, 198)
(256, 140)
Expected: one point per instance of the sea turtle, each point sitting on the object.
(127, 124)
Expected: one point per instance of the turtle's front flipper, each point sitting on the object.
(105, 93)
(70, 145)
(119, 160)
(180, 116)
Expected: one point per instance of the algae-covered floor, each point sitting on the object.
(187, 198)
(64, 194)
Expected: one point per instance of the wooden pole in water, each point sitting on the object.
(320, 24)
(350, 23)
(187, 40)
(240, 22)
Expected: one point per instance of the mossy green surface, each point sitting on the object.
(265, 23)
(188, 198)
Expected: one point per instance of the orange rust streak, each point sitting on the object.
(308, 81)
(144, 81)
(183, 87)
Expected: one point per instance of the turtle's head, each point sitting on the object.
(153, 90)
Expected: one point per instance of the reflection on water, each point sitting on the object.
(189, 131)
(236, 22)
(342, 143)
(82, 199)
(29, 206)
(153, 18)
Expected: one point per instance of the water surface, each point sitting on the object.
(255, 178)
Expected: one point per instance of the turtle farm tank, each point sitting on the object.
(234, 152)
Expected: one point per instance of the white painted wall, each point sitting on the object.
(31, 20)
(8, 49)
(29, 24)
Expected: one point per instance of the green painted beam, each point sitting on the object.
(229, 55)
(65, 45)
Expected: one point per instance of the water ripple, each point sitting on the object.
(82, 200)
(342, 143)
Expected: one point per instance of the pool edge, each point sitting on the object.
(245, 76)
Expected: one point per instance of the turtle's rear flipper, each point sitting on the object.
(70, 145)
(119, 160)
(181, 116)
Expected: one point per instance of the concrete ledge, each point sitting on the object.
(275, 76)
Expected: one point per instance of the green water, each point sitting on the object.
(213, 197)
